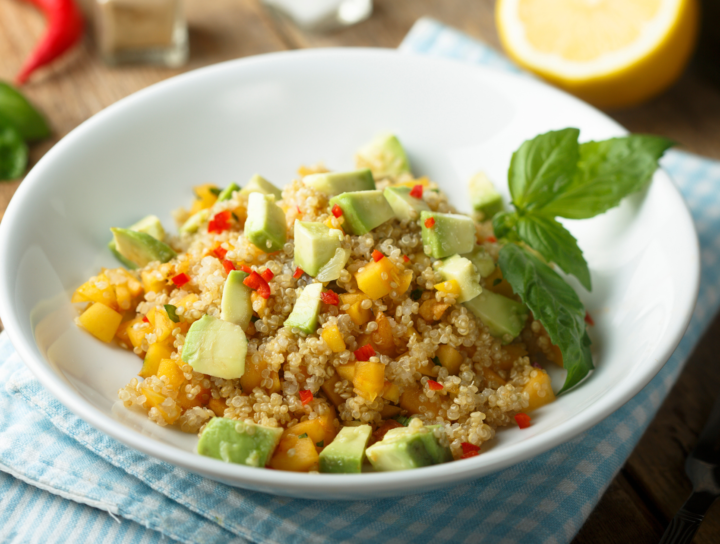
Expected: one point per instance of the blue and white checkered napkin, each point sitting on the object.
(47, 455)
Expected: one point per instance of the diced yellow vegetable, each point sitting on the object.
(359, 315)
(346, 372)
(377, 277)
(502, 287)
(97, 289)
(217, 406)
(494, 379)
(424, 181)
(153, 281)
(382, 338)
(337, 224)
(101, 321)
(333, 338)
(137, 331)
(512, 353)
(539, 389)
(450, 358)
(161, 324)
(172, 372)
(155, 400)
(201, 399)
(124, 298)
(351, 298)
(155, 354)
(369, 378)
(311, 427)
(304, 456)
(410, 401)
(429, 368)
(253, 375)
(391, 392)
(205, 197)
(122, 333)
(432, 310)
(328, 388)
(451, 287)
(389, 411)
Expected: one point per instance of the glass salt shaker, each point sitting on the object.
(322, 15)
(142, 31)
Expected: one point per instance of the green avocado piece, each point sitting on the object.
(404, 448)
(259, 184)
(149, 225)
(363, 210)
(236, 305)
(315, 245)
(334, 183)
(384, 155)
(483, 262)
(227, 192)
(239, 442)
(265, 226)
(451, 233)
(140, 248)
(464, 273)
(501, 315)
(216, 347)
(192, 224)
(484, 198)
(405, 206)
(304, 315)
(346, 452)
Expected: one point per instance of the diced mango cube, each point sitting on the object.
(217, 406)
(153, 281)
(369, 378)
(391, 392)
(424, 181)
(382, 338)
(452, 287)
(512, 352)
(206, 197)
(137, 330)
(429, 368)
(101, 321)
(333, 338)
(295, 454)
(346, 372)
(376, 279)
(494, 379)
(539, 389)
(432, 310)
(351, 298)
(156, 400)
(328, 388)
(161, 324)
(359, 315)
(311, 427)
(410, 401)
(450, 358)
(201, 399)
(97, 289)
(171, 371)
(155, 354)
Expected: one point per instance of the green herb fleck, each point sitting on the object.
(216, 191)
(235, 217)
(320, 444)
(402, 420)
(497, 281)
(436, 361)
(304, 435)
(172, 313)
(254, 318)
(415, 294)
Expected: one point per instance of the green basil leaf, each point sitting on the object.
(608, 171)
(13, 153)
(15, 110)
(556, 244)
(554, 303)
(504, 224)
(542, 167)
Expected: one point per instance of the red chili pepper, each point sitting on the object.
(417, 191)
(337, 211)
(435, 386)
(306, 396)
(298, 273)
(256, 282)
(220, 252)
(469, 450)
(522, 420)
(220, 222)
(364, 353)
(245, 268)
(145, 319)
(267, 274)
(430, 222)
(491, 239)
(180, 279)
(65, 26)
(298, 209)
(329, 297)
(588, 319)
(229, 266)
(406, 259)
(376, 255)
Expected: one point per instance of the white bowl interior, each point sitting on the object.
(271, 114)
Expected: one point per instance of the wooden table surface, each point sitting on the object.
(652, 484)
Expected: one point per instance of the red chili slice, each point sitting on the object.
(522, 420)
(267, 274)
(469, 450)
(417, 191)
(298, 273)
(588, 319)
(337, 211)
(220, 222)
(145, 319)
(376, 255)
(430, 222)
(180, 279)
(364, 353)
(329, 297)
(256, 282)
(220, 252)
(245, 268)
(406, 259)
(435, 386)
(229, 266)
(491, 239)
(306, 396)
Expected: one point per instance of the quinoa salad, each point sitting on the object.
(350, 321)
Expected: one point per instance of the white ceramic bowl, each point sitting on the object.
(270, 114)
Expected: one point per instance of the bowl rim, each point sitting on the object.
(301, 484)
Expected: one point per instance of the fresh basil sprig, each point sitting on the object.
(550, 176)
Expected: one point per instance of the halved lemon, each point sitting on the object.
(611, 53)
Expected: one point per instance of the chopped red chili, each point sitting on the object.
(364, 353)
(298, 273)
(329, 297)
(337, 210)
(417, 191)
(435, 386)
(430, 222)
(245, 268)
(306, 396)
(406, 259)
(220, 222)
(229, 266)
(145, 319)
(377, 255)
(522, 420)
(256, 282)
(491, 239)
(469, 450)
(267, 274)
(220, 252)
(180, 279)
(588, 319)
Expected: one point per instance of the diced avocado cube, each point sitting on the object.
(404, 448)
(501, 315)
(216, 347)
(259, 184)
(464, 273)
(335, 183)
(239, 442)
(384, 155)
(304, 315)
(236, 305)
(149, 225)
(449, 233)
(265, 226)
(346, 452)
(403, 204)
(484, 198)
(227, 192)
(140, 248)
(315, 245)
(192, 224)
(363, 210)
(483, 262)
